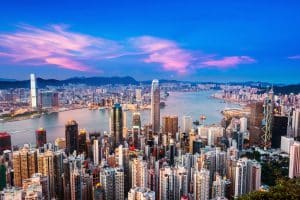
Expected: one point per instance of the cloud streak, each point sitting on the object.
(165, 52)
(296, 57)
(58, 47)
(55, 46)
(227, 62)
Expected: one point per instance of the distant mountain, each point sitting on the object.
(92, 81)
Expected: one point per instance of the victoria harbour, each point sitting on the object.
(191, 104)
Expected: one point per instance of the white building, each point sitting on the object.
(187, 124)
(296, 122)
(33, 92)
(286, 144)
(140, 193)
(96, 152)
(294, 168)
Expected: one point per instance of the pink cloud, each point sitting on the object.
(165, 52)
(296, 57)
(55, 46)
(227, 62)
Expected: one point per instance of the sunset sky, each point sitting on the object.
(184, 40)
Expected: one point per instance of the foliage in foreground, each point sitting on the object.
(283, 190)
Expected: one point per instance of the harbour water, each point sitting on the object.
(193, 104)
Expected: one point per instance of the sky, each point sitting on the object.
(222, 41)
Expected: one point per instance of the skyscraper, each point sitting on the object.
(170, 125)
(41, 137)
(5, 142)
(116, 124)
(139, 172)
(140, 193)
(82, 147)
(294, 168)
(96, 152)
(112, 180)
(155, 107)
(33, 92)
(201, 184)
(71, 133)
(187, 124)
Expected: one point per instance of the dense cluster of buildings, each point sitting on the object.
(161, 160)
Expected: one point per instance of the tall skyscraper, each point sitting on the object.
(82, 147)
(33, 92)
(294, 167)
(187, 124)
(96, 152)
(155, 106)
(139, 172)
(41, 137)
(112, 181)
(279, 128)
(116, 125)
(170, 125)
(71, 134)
(5, 142)
(138, 95)
(253, 176)
(240, 182)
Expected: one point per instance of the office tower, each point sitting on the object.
(279, 128)
(286, 144)
(187, 124)
(136, 119)
(46, 99)
(5, 142)
(96, 152)
(138, 95)
(139, 172)
(141, 193)
(155, 106)
(71, 134)
(46, 168)
(41, 137)
(253, 176)
(181, 182)
(255, 122)
(243, 124)
(197, 145)
(33, 92)
(240, 182)
(112, 181)
(192, 138)
(116, 125)
(296, 122)
(58, 171)
(214, 134)
(172, 152)
(201, 184)
(25, 165)
(166, 184)
(294, 166)
(82, 148)
(170, 125)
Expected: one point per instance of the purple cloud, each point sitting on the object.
(165, 52)
(55, 46)
(227, 62)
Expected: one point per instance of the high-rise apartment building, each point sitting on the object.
(136, 119)
(112, 181)
(139, 172)
(201, 184)
(96, 152)
(155, 106)
(296, 122)
(140, 193)
(294, 166)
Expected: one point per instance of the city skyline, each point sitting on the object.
(199, 41)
